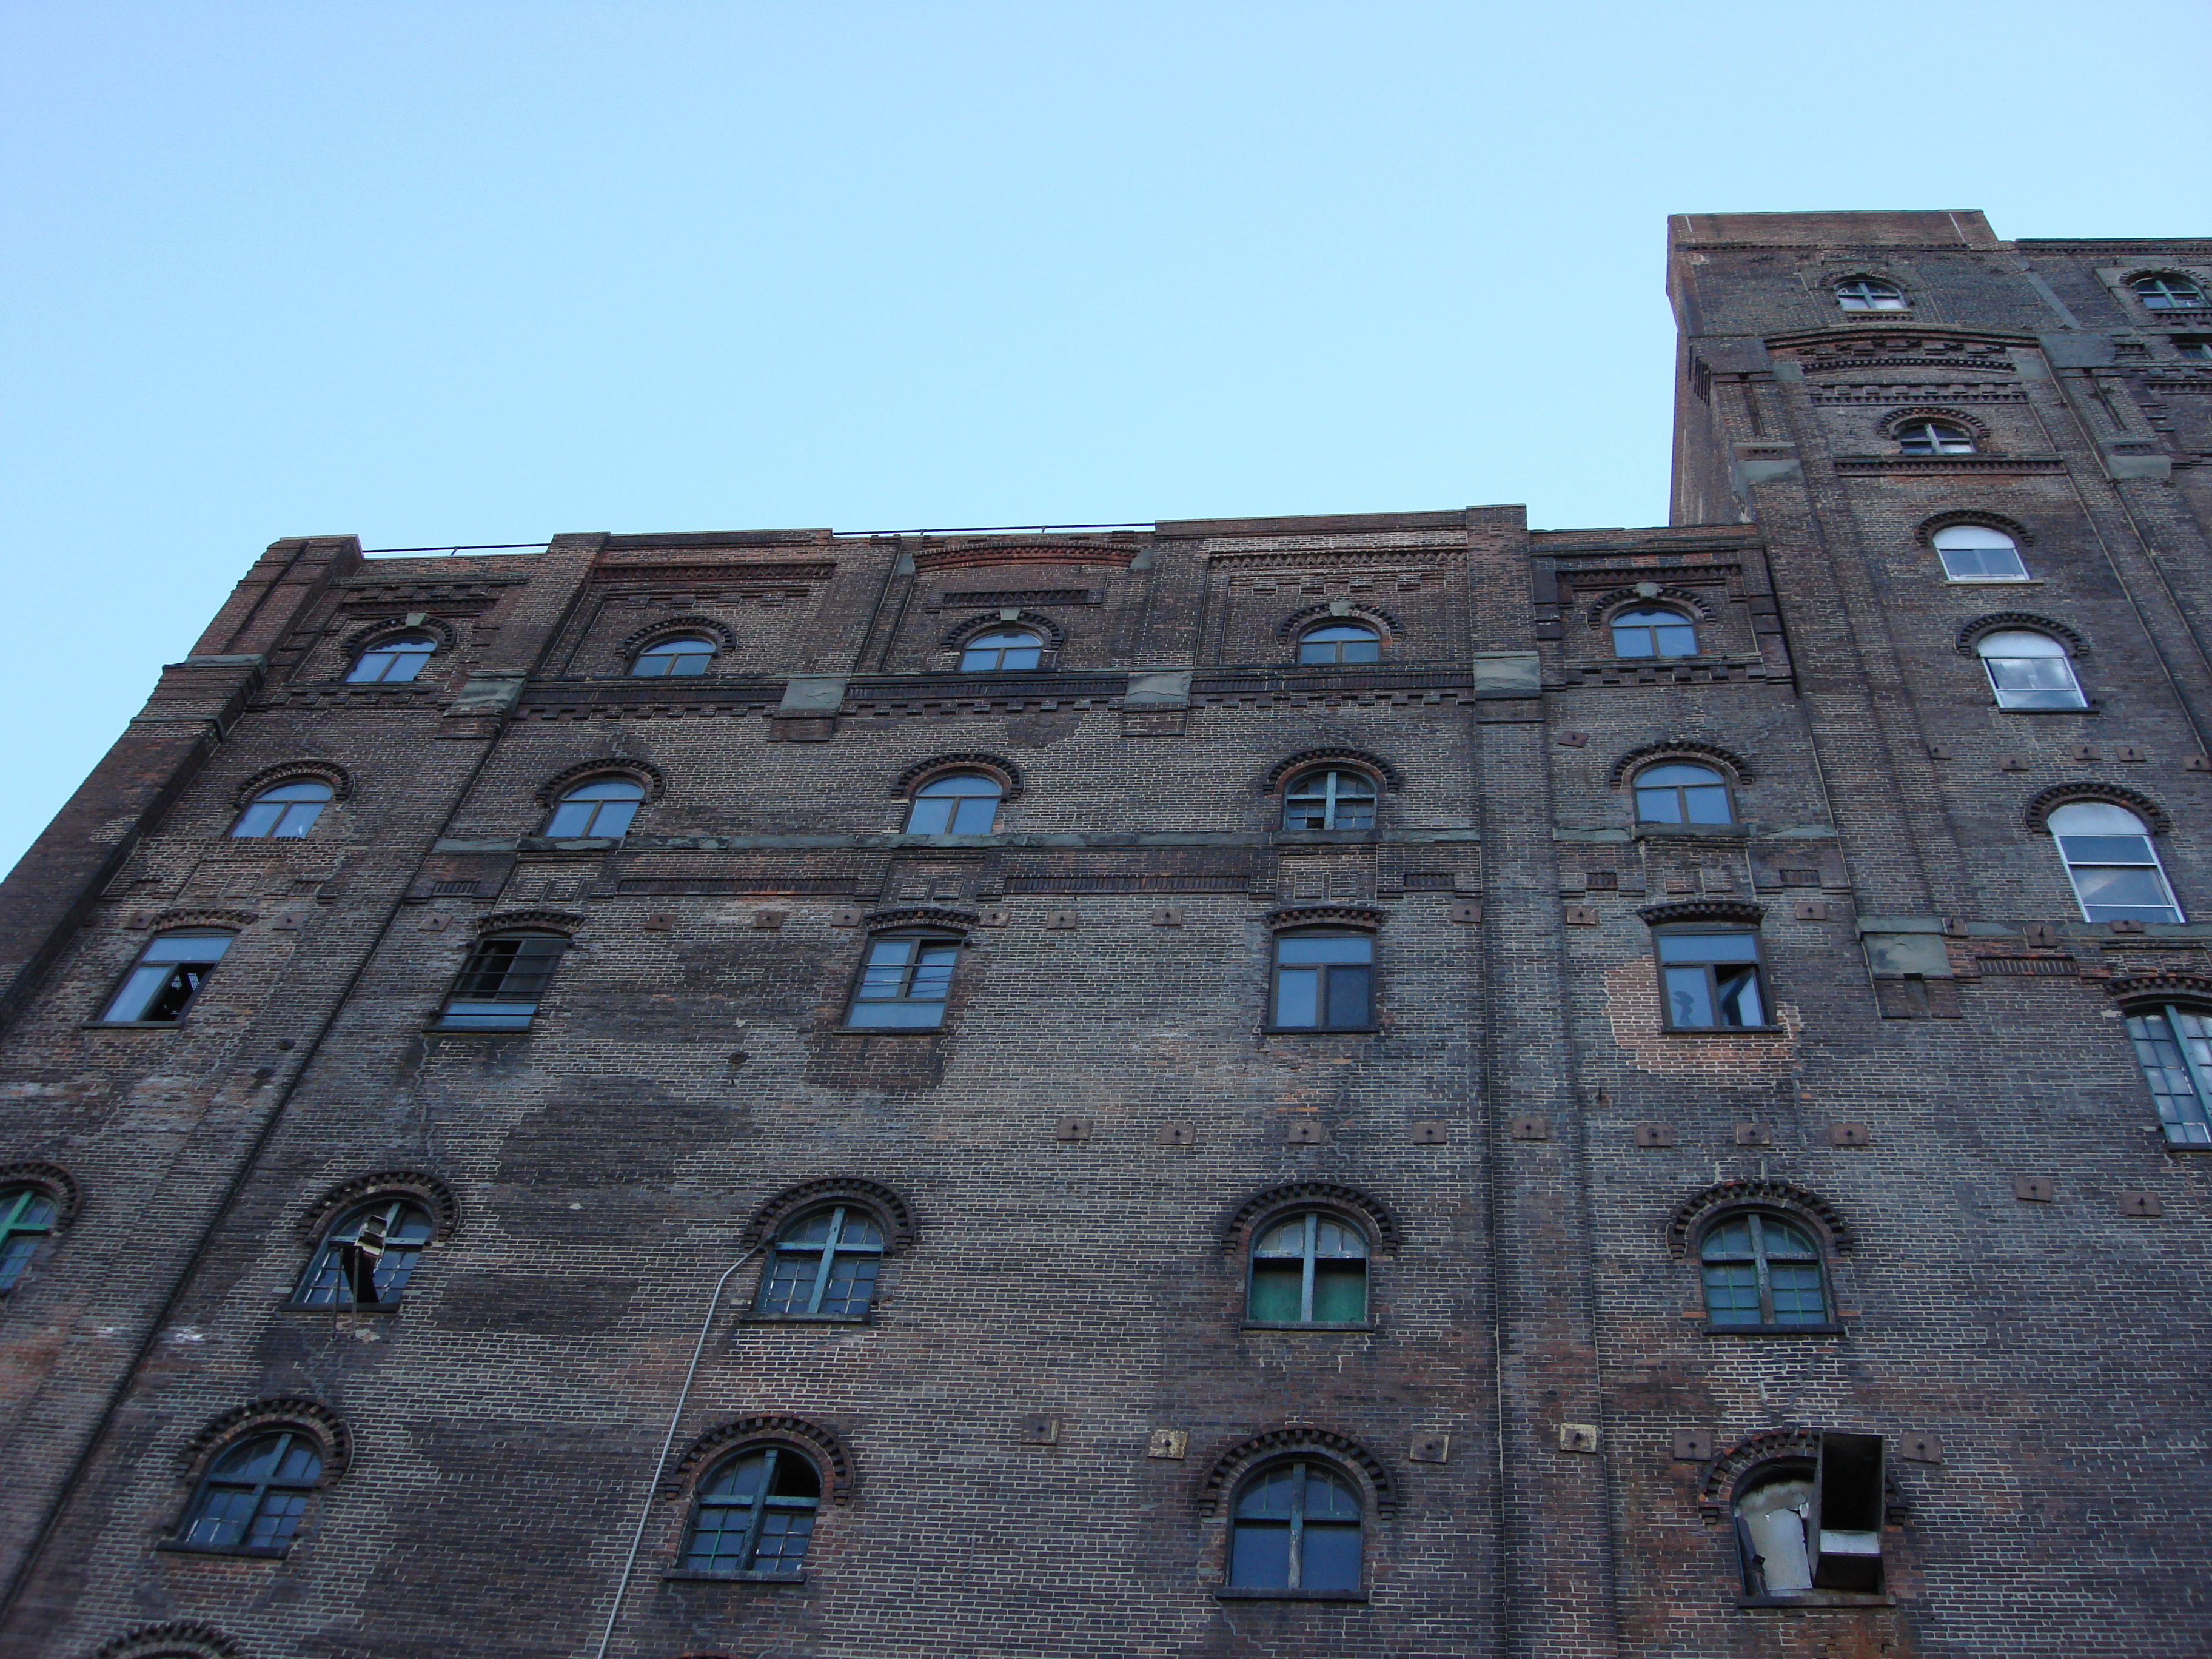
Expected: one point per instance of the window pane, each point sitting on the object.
(889, 1015)
(1688, 1000)
(1730, 1239)
(1276, 1288)
(2106, 849)
(2094, 817)
(1798, 1298)
(2187, 1118)
(783, 1538)
(1297, 996)
(851, 1284)
(1348, 996)
(1784, 1242)
(467, 1016)
(613, 817)
(1339, 1293)
(1332, 1558)
(1286, 1238)
(258, 820)
(14, 1256)
(737, 1481)
(1708, 804)
(1269, 1498)
(790, 1282)
(1740, 1003)
(1259, 1555)
(975, 816)
(138, 990)
(931, 817)
(1323, 947)
(221, 1519)
(572, 818)
(205, 948)
(1658, 805)
(1732, 1293)
(1708, 947)
(1333, 1238)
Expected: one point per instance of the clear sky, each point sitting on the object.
(473, 271)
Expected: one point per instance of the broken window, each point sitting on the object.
(1803, 1528)
(904, 982)
(1004, 651)
(1296, 1526)
(2109, 859)
(392, 661)
(1340, 642)
(2174, 1046)
(1653, 631)
(289, 810)
(825, 1264)
(500, 988)
(957, 803)
(1762, 1272)
(1310, 1269)
(603, 806)
(1329, 798)
(754, 1514)
(1869, 293)
(686, 654)
(367, 1257)
(1709, 979)
(2029, 670)
(253, 1495)
(27, 1215)
(166, 976)
(1324, 980)
(1678, 791)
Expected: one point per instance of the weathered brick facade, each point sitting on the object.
(1033, 1443)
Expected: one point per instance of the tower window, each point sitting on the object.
(2174, 1046)
(165, 979)
(1653, 631)
(392, 661)
(254, 1495)
(1935, 438)
(904, 982)
(1805, 1527)
(2168, 294)
(754, 1515)
(1867, 293)
(825, 1265)
(1709, 981)
(1004, 651)
(1329, 798)
(1975, 553)
(1309, 1270)
(1762, 1274)
(27, 1215)
(1680, 791)
(2029, 670)
(2115, 870)
(286, 811)
(500, 988)
(687, 654)
(603, 806)
(366, 1257)
(1324, 982)
(1296, 1526)
(956, 804)
(1340, 642)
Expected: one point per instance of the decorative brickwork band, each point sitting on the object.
(56, 1183)
(162, 921)
(675, 627)
(1221, 1478)
(890, 1210)
(1372, 1216)
(821, 1445)
(1602, 609)
(299, 771)
(1740, 911)
(1359, 760)
(1327, 915)
(644, 774)
(178, 1639)
(920, 916)
(392, 627)
(1691, 1214)
(550, 922)
(1896, 418)
(1008, 774)
(1926, 535)
(1997, 621)
(426, 1190)
(2049, 800)
(991, 621)
(2131, 989)
(1681, 749)
(308, 1417)
(1297, 621)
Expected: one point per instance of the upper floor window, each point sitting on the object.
(27, 1215)
(1680, 791)
(1975, 553)
(166, 976)
(2109, 857)
(1935, 438)
(1869, 293)
(754, 1515)
(1336, 642)
(1653, 631)
(956, 804)
(825, 1265)
(1296, 1526)
(1310, 1269)
(904, 982)
(500, 988)
(2173, 1045)
(1003, 650)
(254, 1494)
(1806, 1526)
(687, 653)
(1762, 1272)
(2029, 670)
(1329, 798)
(603, 806)
(366, 1257)
(1324, 980)
(288, 810)
(1710, 978)
(393, 660)
(2168, 292)
(2199, 349)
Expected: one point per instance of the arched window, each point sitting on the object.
(1324, 980)
(1682, 792)
(1709, 978)
(754, 1514)
(393, 660)
(1337, 642)
(166, 976)
(904, 982)
(1296, 1526)
(1976, 553)
(1811, 1529)
(2029, 670)
(2173, 1045)
(27, 1215)
(1003, 650)
(1309, 1269)
(1653, 631)
(253, 1495)
(956, 804)
(1773, 1511)
(603, 806)
(1762, 1272)
(2109, 857)
(687, 653)
(287, 811)
(2168, 294)
(1934, 438)
(825, 1264)
(368, 1256)
(1869, 293)
(500, 988)
(1329, 798)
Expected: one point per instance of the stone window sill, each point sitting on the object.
(1228, 1594)
(132, 1024)
(1723, 1030)
(888, 1031)
(1319, 1031)
(250, 1552)
(384, 1308)
(1314, 1328)
(1757, 1331)
(693, 1576)
(806, 1319)
(1648, 831)
(1817, 1601)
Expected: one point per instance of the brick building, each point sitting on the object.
(1383, 1086)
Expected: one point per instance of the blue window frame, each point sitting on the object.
(253, 1495)
(754, 1515)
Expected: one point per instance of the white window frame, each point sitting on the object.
(2152, 861)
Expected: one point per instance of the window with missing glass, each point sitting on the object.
(283, 813)
(956, 804)
(1653, 631)
(1309, 1269)
(1762, 1272)
(502, 982)
(166, 976)
(1869, 293)
(2110, 859)
(27, 1215)
(754, 1515)
(825, 1266)
(1934, 438)
(1004, 651)
(253, 1495)
(1709, 979)
(2173, 1045)
(602, 806)
(1296, 1526)
(392, 661)
(1329, 798)
(685, 655)
(1976, 553)
(1340, 642)
(366, 1256)
(1682, 792)
(2168, 292)
(2029, 670)
(1324, 980)
(904, 980)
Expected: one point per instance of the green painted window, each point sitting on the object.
(1762, 1272)
(1309, 1269)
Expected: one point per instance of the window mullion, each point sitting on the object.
(1759, 1267)
(828, 1259)
(1306, 1278)
(1297, 1511)
(758, 1514)
(2197, 1079)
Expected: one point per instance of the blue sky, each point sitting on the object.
(481, 272)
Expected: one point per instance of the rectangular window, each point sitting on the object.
(1711, 980)
(500, 988)
(903, 984)
(167, 975)
(2116, 878)
(1324, 982)
(2174, 1046)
